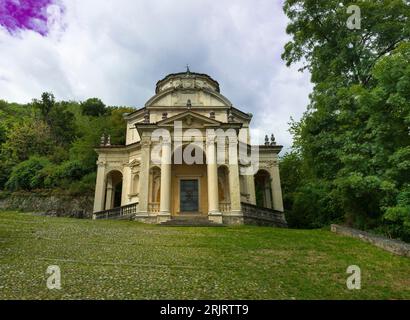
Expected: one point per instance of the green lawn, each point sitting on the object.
(129, 260)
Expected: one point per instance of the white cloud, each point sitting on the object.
(117, 50)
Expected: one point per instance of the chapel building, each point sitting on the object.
(172, 165)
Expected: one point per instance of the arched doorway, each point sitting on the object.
(189, 183)
(263, 190)
(113, 190)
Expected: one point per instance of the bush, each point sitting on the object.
(396, 220)
(313, 207)
(72, 170)
(85, 186)
(6, 168)
(28, 175)
(63, 174)
(363, 198)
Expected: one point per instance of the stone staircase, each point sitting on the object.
(190, 221)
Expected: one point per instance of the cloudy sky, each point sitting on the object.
(116, 50)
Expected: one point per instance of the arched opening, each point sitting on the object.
(113, 190)
(223, 189)
(154, 189)
(263, 191)
(189, 183)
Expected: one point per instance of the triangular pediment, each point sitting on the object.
(191, 119)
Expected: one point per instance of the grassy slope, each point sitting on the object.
(128, 260)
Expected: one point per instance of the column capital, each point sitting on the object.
(145, 141)
(210, 137)
(166, 141)
(101, 163)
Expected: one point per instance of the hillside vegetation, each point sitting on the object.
(49, 145)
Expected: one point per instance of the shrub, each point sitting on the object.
(396, 220)
(63, 174)
(363, 198)
(85, 186)
(313, 206)
(28, 175)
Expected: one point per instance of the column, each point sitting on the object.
(126, 183)
(144, 173)
(99, 187)
(108, 195)
(165, 195)
(234, 183)
(250, 180)
(212, 172)
(276, 188)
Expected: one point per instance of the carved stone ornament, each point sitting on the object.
(187, 84)
(135, 170)
(145, 142)
(270, 163)
(101, 163)
(134, 163)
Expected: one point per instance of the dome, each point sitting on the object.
(187, 80)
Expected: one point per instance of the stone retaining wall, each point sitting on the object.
(55, 205)
(397, 247)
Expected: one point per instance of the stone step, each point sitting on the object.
(190, 221)
(196, 217)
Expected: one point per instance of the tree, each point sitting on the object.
(45, 106)
(63, 125)
(58, 118)
(355, 131)
(93, 107)
(27, 138)
(116, 125)
(331, 50)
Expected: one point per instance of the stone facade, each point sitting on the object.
(198, 119)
